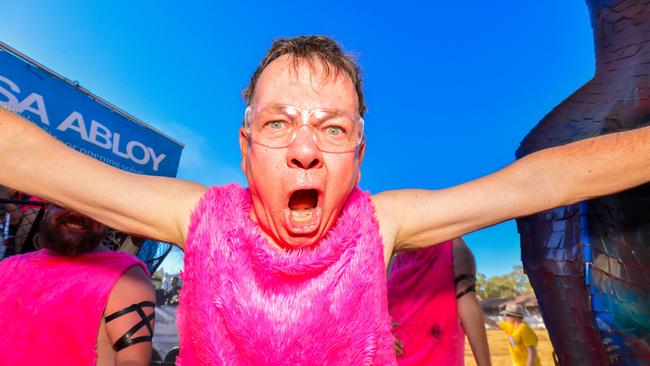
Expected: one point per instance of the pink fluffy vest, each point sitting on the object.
(422, 300)
(245, 302)
(51, 306)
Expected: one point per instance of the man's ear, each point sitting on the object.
(243, 146)
(360, 153)
(362, 150)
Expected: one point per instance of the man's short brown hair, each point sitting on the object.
(310, 49)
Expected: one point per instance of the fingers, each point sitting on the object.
(398, 346)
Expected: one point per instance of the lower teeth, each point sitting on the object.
(301, 215)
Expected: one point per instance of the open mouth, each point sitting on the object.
(73, 225)
(302, 204)
(74, 222)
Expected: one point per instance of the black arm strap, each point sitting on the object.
(471, 288)
(466, 291)
(465, 276)
(125, 340)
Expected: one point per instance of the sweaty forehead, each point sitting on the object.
(305, 84)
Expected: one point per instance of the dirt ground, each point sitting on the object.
(498, 343)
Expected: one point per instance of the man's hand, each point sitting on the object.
(398, 345)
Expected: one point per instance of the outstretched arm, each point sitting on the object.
(32, 161)
(546, 179)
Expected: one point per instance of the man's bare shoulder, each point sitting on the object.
(134, 286)
(388, 226)
(388, 204)
(413, 218)
(463, 258)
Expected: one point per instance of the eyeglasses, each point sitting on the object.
(276, 126)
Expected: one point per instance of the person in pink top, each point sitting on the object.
(432, 300)
(272, 268)
(74, 302)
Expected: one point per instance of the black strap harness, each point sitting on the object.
(467, 277)
(125, 340)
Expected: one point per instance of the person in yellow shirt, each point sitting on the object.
(522, 341)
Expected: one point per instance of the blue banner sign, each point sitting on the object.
(82, 120)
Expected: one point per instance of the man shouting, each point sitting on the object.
(291, 270)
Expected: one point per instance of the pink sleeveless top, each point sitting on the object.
(422, 300)
(51, 306)
(245, 302)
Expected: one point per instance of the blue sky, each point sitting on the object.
(451, 87)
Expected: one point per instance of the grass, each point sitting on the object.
(500, 355)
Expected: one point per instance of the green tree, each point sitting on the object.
(481, 284)
(522, 285)
(512, 284)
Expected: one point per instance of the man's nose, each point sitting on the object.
(303, 152)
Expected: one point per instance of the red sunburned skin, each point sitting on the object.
(300, 169)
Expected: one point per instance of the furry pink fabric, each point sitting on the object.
(244, 302)
(51, 306)
(422, 300)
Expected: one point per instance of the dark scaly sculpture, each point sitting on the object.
(589, 263)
